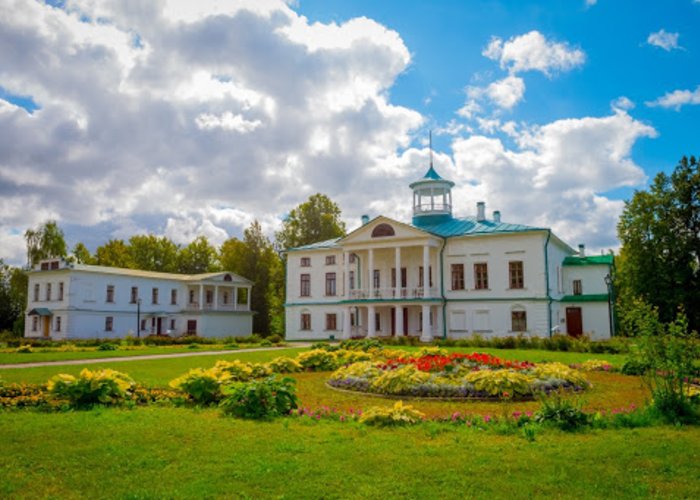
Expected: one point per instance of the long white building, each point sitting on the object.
(445, 277)
(67, 300)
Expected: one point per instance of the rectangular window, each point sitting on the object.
(60, 291)
(306, 262)
(515, 271)
(518, 321)
(58, 324)
(305, 321)
(54, 264)
(352, 258)
(35, 323)
(154, 296)
(330, 284)
(578, 287)
(351, 286)
(110, 294)
(457, 276)
(172, 324)
(377, 322)
(420, 276)
(36, 292)
(481, 276)
(225, 297)
(482, 321)
(305, 286)
(331, 322)
(330, 260)
(191, 296)
(44, 266)
(109, 323)
(143, 324)
(48, 292)
(191, 327)
(134, 294)
(173, 296)
(376, 279)
(209, 297)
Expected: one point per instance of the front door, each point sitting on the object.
(574, 321)
(405, 321)
(46, 324)
(159, 329)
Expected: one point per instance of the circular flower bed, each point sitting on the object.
(463, 376)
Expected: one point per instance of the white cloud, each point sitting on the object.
(622, 103)
(532, 51)
(677, 98)
(663, 39)
(226, 121)
(591, 3)
(506, 93)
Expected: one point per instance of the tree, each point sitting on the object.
(317, 219)
(660, 255)
(198, 257)
(82, 255)
(13, 298)
(114, 253)
(45, 242)
(153, 253)
(254, 258)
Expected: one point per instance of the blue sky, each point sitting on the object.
(183, 118)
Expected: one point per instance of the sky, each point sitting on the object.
(182, 118)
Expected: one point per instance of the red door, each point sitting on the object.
(574, 321)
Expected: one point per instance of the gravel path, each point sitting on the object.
(296, 345)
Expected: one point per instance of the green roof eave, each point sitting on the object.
(40, 311)
(593, 260)
(600, 297)
(321, 245)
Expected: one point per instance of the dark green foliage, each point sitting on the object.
(561, 412)
(634, 366)
(317, 219)
(107, 347)
(260, 399)
(198, 257)
(45, 242)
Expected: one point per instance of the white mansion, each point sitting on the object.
(444, 277)
(68, 300)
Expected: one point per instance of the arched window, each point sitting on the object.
(227, 277)
(382, 230)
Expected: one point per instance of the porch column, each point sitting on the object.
(399, 321)
(347, 327)
(216, 297)
(397, 258)
(438, 322)
(201, 296)
(370, 273)
(346, 260)
(426, 271)
(235, 298)
(426, 334)
(370, 322)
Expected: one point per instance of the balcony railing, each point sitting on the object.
(391, 293)
(194, 306)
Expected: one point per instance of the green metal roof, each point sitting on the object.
(321, 245)
(40, 311)
(600, 297)
(430, 176)
(593, 260)
(469, 225)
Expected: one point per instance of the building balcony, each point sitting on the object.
(194, 307)
(392, 293)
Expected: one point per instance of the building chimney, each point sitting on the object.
(581, 250)
(480, 211)
(497, 216)
(365, 219)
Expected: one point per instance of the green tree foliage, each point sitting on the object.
(153, 253)
(114, 253)
(660, 234)
(45, 242)
(254, 258)
(198, 257)
(317, 219)
(13, 298)
(82, 255)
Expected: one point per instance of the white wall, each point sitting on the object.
(596, 322)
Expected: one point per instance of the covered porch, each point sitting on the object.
(393, 319)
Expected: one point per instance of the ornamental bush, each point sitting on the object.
(399, 381)
(502, 383)
(92, 387)
(318, 360)
(202, 386)
(238, 371)
(562, 413)
(397, 415)
(260, 399)
(559, 371)
(284, 364)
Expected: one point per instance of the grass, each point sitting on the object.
(177, 452)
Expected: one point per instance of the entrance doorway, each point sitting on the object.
(574, 321)
(46, 325)
(405, 321)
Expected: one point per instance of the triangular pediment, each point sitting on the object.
(382, 230)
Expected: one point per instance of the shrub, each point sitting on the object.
(22, 396)
(107, 347)
(399, 381)
(232, 345)
(318, 360)
(284, 364)
(591, 365)
(92, 387)
(397, 415)
(634, 366)
(275, 339)
(363, 369)
(561, 413)
(345, 356)
(559, 371)
(202, 386)
(260, 399)
(504, 383)
(25, 348)
(237, 370)
(265, 343)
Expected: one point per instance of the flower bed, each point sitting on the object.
(461, 376)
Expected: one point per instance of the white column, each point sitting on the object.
(201, 296)
(216, 297)
(346, 260)
(398, 272)
(370, 322)
(399, 321)
(370, 273)
(426, 271)
(426, 334)
(347, 327)
(438, 323)
(235, 298)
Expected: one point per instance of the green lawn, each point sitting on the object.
(178, 452)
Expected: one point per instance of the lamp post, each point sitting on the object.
(138, 318)
(609, 284)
